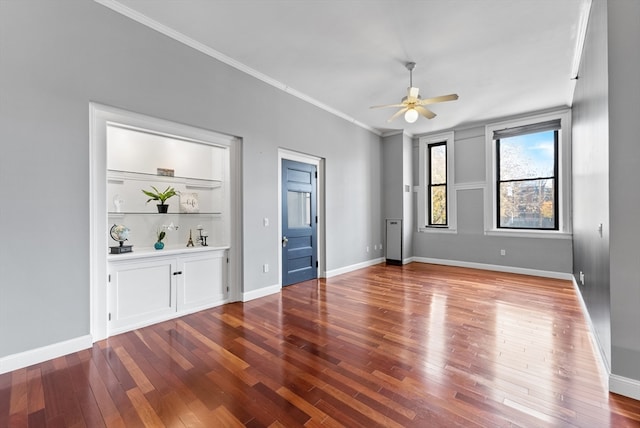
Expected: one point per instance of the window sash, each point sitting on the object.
(523, 130)
(433, 186)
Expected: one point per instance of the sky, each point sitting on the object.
(535, 150)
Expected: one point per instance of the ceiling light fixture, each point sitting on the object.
(411, 115)
(413, 105)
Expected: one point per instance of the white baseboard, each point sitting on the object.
(497, 268)
(49, 352)
(595, 340)
(351, 268)
(617, 384)
(624, 386)
(262, 292)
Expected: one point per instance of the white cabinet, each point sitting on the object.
(145, 288)
(141, 292)
(202, 281)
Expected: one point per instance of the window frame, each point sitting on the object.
(431, 185)
(424, 200)
(554, 177)
(563, 177)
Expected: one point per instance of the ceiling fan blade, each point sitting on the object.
(398, 113)
(425, 112)
(388, 105)
(442, 98)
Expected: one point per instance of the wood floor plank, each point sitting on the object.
(34, 392)
(408, 346)
(147, 414)
(19, 399)
(5, 398)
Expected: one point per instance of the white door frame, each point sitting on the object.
(321, 227)
(99, 116)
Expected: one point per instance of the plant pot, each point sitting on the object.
(162, 208)
(158, 245)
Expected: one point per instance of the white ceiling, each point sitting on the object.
(502, 57)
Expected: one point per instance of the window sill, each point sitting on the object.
(529, 234)
(437, 230)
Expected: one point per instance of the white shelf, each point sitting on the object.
(148, 252)
(117, 176)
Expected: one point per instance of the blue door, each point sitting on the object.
(299, 222)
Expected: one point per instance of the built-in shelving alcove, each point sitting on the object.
(199, 264)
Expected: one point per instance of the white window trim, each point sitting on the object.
(423, 168)
(564, 175)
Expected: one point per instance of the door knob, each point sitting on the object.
(284, 241)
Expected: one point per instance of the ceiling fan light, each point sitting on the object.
(411, 115)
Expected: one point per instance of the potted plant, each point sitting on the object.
(157, 195)
(160, 234)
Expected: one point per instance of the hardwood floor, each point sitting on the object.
(393, 346)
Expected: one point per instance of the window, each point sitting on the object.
(529, 168)
(437, 192)
(527, 183)
(436, 204)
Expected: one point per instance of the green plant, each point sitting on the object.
(161, 234)
(157, 195)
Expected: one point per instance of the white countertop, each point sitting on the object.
(145, 252)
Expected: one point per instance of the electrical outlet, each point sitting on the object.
(581, 277)
(265, 267)
(265, 221)
(381, 246)
(503, 252)
(375, 246)
(367, 248)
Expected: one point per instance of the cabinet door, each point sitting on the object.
(203, 282)
(141, 293)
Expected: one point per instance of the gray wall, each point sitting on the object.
(606, 157)
(624, 167)
(56, 57)
(470, 244)
(392, 178)
(392, 175)
(408, 207)
(591, 177)
(397, 173)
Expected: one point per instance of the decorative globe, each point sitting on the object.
(119, 232)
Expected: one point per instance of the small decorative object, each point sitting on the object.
(165, 172)
(189, 203)
(190, 242)
(160, 234)
(117, 202)
(157, 195)
(120, 233)
(202, 238)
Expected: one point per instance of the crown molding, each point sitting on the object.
(192, 43)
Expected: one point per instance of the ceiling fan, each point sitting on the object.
(413, 105)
